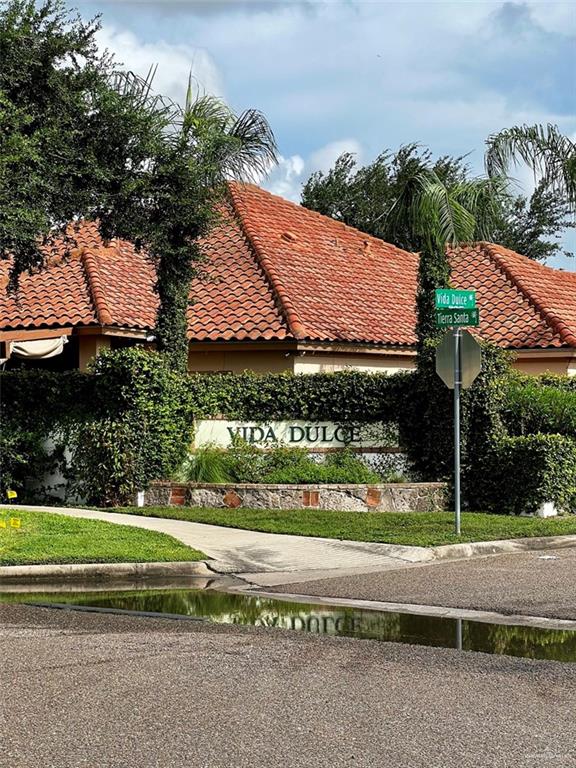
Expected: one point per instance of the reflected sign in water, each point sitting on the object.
(232, 608)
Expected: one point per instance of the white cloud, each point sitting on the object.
(323, 159)
(287, 178)
(559, 18)
(175, 62)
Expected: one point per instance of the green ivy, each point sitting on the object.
(346, 396)
(131, 421)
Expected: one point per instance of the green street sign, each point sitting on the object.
(457, 318)
(448, 298)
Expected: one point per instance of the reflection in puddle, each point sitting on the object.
(232, 608)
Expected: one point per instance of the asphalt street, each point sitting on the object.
(114, 692)
(541, 583)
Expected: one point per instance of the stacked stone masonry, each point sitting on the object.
(396, 497)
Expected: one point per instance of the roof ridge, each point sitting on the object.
(295, 325)
(317, 214)
(549, 317)
(95, 287)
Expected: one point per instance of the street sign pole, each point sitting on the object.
(457, 385)
(458, 360)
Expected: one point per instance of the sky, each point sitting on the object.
(360, 76)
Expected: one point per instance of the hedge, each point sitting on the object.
(125, 424)
(131, 421)
(546, 405)
(522, 473)
(347, 396)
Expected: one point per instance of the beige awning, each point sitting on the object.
(39, 349)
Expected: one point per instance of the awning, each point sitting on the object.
(39, 349)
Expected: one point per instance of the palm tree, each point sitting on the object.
(441, 214)
(174, 201)
(550, 155)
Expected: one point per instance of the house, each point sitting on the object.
(284, 289)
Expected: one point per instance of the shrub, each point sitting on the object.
(540, 405)
(107, 462)
(35, 404)
(205, 465)
(352, 466)
(140, 429)
(283, 464)
(524, 472)
(244, 463)
(321, 473)
(426, 416)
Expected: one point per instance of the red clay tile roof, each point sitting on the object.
(97, 285)
(522, 304)
(276, 271)
(233, 298)
(316, 278)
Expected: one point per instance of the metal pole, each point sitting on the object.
(459, 634)
(457, 385)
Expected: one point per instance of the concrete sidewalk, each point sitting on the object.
(266, 559)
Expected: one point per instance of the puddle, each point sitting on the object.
(232, 608)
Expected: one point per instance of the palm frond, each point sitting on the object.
(441, 209)
(484, 198)
(139, 90)
(254, 149)
(550, 155)
(204, 113)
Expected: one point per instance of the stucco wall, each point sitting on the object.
(279, 360)
(265, 361)
(368, 363)
(545, 364)
(91, 346)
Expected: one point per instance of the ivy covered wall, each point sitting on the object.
(131, 421)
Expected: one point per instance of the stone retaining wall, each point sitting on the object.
(392, 497)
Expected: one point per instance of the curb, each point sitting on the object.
(501, 547)
(106, 571)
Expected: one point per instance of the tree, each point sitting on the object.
(416, 203)
(550, 155)
(81, 140)
(531, 226)
(422, 205)
(68, 138)
(204, 145)
(366, 198)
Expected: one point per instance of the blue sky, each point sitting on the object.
(360, 76)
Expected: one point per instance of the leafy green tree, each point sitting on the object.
(366, 197)
(81, 140)
(68, 140)
(422, 205)
(532, 226)
(371, 197)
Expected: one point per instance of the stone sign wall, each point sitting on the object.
(386, 497)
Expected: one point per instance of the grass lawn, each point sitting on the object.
(412, 528)
(46, 538)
